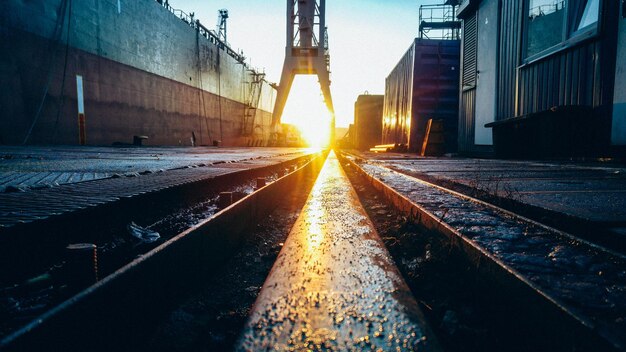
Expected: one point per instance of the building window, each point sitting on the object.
(552, 24)
(590, 14)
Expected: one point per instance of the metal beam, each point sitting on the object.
(305, 53)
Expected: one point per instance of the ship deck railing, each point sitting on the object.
(205, 32)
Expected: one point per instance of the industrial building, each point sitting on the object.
(424, 84)
(258, 235)
(543, 78)
(368, 116)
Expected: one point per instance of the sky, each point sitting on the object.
(367, 38)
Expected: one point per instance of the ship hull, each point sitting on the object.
(197, 94)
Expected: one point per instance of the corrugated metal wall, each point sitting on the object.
(368, 115)
(468, 85)
(571, 77)
(466, 120)
(423, 85)
(580, 75)
(397, 106)
(509, 57)
(435, 90)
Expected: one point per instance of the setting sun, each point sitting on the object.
(306, 110)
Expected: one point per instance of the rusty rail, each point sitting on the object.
(567, 324)
(116, 311)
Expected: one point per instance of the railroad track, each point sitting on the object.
(582, 284)
(334, 286)
(47, 220)
(40, 271)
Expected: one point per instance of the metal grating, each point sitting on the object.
(37, 204)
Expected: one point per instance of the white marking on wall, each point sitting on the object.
(79, 94)
(119, 6)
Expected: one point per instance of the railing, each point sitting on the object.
(190, 20)
(543, 10)
(439, 22)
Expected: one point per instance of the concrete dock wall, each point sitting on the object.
(145, 72)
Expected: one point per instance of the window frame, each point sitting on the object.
(570, 37)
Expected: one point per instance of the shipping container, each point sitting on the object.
(424, 85)
(368, 119)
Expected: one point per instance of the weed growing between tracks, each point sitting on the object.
(466, 311)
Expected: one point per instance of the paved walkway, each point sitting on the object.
(23, 168)
(334, 285)
(582, 279)
(592, 192)
(30, 200)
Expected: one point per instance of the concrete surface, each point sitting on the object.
(586, 281)
(334, 285)
(594, 191)
(23, 168)
(37, 183)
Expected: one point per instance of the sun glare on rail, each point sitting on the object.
(305, 109)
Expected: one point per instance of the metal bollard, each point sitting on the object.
(82, 261)
(225, 199)
(260, 182)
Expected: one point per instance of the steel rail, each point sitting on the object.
(581, 327)
(114, 312)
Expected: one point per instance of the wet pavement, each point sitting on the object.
(591, 191)
(334, 285)
(584, 279)
(23, 168)
(28, 196)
